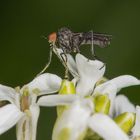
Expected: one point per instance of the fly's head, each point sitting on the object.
(52, 38)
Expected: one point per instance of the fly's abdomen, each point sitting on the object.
(102, 40)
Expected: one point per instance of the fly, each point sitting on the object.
(69, 41)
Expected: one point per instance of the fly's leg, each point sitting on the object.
(93, 51)
(64, 59)
(77, 49)
(48, 64)
(92, 46)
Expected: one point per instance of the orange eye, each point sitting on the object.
(52, 37)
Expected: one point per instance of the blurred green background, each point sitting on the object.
(23, 53)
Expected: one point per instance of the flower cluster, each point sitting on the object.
(88, 107)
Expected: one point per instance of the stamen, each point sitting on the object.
(25, 99)
(17, 89)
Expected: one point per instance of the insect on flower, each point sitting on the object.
(69, 42)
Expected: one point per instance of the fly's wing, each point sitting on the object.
(102, 40)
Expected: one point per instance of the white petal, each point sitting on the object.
(106, 127)
(75, 80)
(9, 116)
(90, 71)
(35, 111)
(45, 83)
(7, 93)
(27, 126)
(23, 128)
(122, 104)
(74, 120)
(33, 99)
(55, 100)
(136, 129)
(117, 83)
(72, 65)
(125, 81)
(106, 88)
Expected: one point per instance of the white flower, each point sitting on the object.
(88, 72)
(23, 109)
(80, 116)
(122, 104)
(75, 120)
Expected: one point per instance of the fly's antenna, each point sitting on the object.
(44, 37)
(49, 62)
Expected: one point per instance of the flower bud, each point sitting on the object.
(102, 104)
(126, 121)
(67, 87)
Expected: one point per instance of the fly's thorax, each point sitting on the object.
(64, 39)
